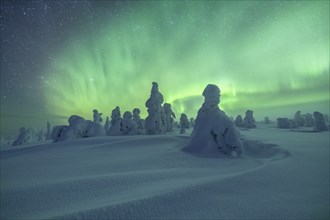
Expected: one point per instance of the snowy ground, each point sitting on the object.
(282, 175)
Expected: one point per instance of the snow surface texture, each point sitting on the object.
(281, 175)
(213, 129)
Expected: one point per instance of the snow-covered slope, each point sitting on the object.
(281, 175)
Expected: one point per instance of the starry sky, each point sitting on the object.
(60, 58)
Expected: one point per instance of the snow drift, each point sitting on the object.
(282, 175)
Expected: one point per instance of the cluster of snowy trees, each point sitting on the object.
(78, 128)
(247, 122)
(160, 119)
(212, 129)
(211, 125)
(29, 135)
(316, 120)
(26, 135)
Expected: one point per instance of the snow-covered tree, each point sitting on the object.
(97, 117)
(40, 135)
(78, 128)
(137, 119)
(26, 135)
(21, 138)
(308, 120)
(184, 123)
(286, 123)
(239, 121)
(267, 120)
(107, 124)
(249, 121)
(169, 116)
(192, 122)
(116, 127)
(155, 122)
(298, 119)
(283, 123)
(57, 131)
(48, 134)
(129, 127)
(319, 122)
(213, 129)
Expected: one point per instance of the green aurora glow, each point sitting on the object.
(263, 55)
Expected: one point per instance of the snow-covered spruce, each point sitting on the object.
(213, 130)
(57, 131)
(155, 122)
(48, 134)
(169, 116)
(97, 117)
(129, 127)
(137, 119)
(308, 120)
(176, 124)
(319, 122)
(107, 124)
(78, 128)
(40, 136)
(192, 122)
(267, 120)
(249, 121)
(116, 127)
(239, 121)
(298, 119)
(26, 135)
(184, 123)
(286, 123)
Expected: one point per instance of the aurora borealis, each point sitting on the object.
(268, 56)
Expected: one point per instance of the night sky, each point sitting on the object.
(60, 58)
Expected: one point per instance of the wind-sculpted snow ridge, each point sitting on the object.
(149, 177)
(259, 150)
(251, 148)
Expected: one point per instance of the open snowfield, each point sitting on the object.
(282, 175)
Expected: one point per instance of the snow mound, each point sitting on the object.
(259, 150)
(251, 149)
